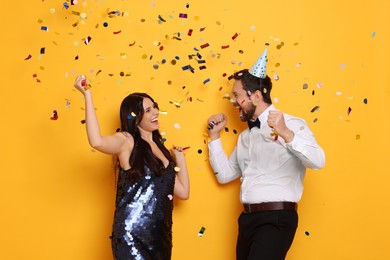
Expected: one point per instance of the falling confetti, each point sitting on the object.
(315, 109)
(201, 232)
(349, 110)
(54, 115)
(88, 40)
(234, 36)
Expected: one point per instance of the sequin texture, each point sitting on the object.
(142, 227)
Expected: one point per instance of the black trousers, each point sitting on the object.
(265, 235)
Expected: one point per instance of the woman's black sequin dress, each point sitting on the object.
(142, 226)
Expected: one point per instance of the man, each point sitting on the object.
(271, 159)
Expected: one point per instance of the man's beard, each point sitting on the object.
(247, 114)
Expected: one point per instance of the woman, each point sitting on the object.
(148, 178)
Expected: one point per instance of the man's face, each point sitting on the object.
(241, 100)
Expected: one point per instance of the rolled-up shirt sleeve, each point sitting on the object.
(225, 169)
(305, 147)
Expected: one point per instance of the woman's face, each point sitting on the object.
(149, 120)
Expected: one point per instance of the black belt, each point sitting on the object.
(266, 206)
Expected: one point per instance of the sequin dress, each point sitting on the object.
(142, 227)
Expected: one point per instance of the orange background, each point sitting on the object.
(57, 194)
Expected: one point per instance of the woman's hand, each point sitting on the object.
(81, 84)
(178, 152)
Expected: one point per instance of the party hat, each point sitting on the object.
(259, 68)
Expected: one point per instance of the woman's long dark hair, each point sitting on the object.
(131, 114)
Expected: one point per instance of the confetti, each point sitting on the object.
(36, 77)
(315, 109)
(28, 57)
(44, 28)
(201, 232)
(181, 15)
(349, 110)
(88, 40)
(161, 19)
(204, 45)
(189, 32)
(234, 36)
(365, 101)
(177, 169)
(188, 67)
(54, 115)
(206, 81)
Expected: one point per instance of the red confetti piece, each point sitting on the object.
(235, 36)
(54, 116)
(189, 32)
(117, 32)
(204, 45)
(225, 46)
(36, 78)
(349, 110)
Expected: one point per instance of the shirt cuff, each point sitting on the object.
(215, 144)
